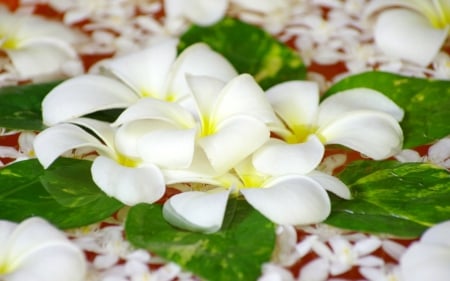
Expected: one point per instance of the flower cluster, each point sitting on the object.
(192, 122)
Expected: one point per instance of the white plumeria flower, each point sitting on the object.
(428, 257)
(402, 24)
(35, 250)
(343, 255)
(361, 119)
(128, 179)
(154, 72)
(229, 123)
(202, 12)
(284, 198)
(38, 48)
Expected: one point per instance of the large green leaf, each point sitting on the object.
(20, 106)
(64, 194)
(426, 102)
(401, 199)
(250, 50)
(234, 253)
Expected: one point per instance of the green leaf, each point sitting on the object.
(64, 194)
(20, 106)
(235, 253)
(250, 50)
(426, 103)
(401, 199)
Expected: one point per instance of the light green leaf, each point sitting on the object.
(235, 253)
(73, 201)
(401, 199)
(250, 50)
(426, 103)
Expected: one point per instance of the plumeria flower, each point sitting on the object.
(154, 72)
(35, 250)
(38, 48)
(361, 119)
(342, 255)
(284, 198)
(126, 178)
(402, 24)
(229, 123)
(428, 257)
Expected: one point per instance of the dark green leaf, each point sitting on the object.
(426, 103)
(250, 50)
(401, 199)
(64, 194)
(234, 253)
(20, 106)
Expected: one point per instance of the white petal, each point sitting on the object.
(131, 186)
(375, 134)
(83, 95)
(146, 71)
(295, 201)
(202, 12)
(408, 35)
(421, 261)
(276, 157)
(6, 229)
(356, 99)
(331, 183)
(200, 171)
(159, 110)
(264, 6)
(172, 149)
(296, 102)
(53, 262)
(54, 141)
(198, 59)
(234, 140)
(242, 95)
(197, 211)
(315, 270)
(438, 234)
(205, 91)
(103, 130)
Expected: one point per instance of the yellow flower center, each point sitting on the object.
(437, 11)
(8, 43)
(127, 161)
(300, 133)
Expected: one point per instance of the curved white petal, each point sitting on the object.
(420, 261)
(83, 95)
(37, 249)
(276, 157)
(196, 210)
(128, 135)
(438, 234)
(296, 102)
(159, 110)
(291, 200)
(375, 134)
(200, 171)
(234, 140)
(197, 59)
(331, 183)
(264, 6)
(408, 35)
(103, 130)
(129, 185)
(378, 5)
(202, 12)
(54, 262)
(146, 71)
(205, 90)
(168, 148)
(6, 229)
(356, 99)
(242, 95)
(54, 141)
